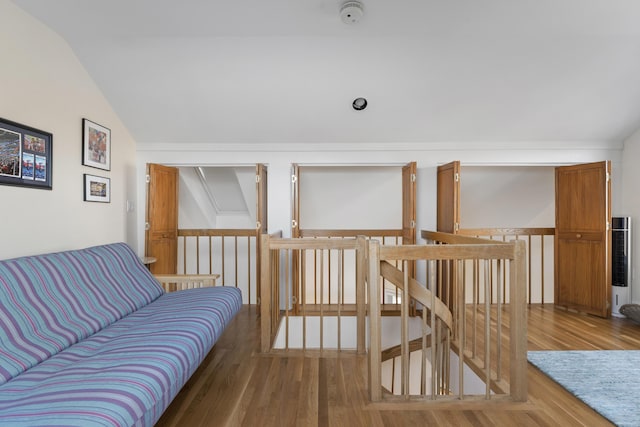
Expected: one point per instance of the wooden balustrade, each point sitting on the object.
(309, 281)
(465, 332)
(539, 263)
(474, 320)
(278, 282)
(230, 253)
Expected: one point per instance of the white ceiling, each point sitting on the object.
(286, 71)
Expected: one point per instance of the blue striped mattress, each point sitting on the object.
(128, 373)
(89, 338)
(50, 302)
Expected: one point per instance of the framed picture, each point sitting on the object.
(25, 156)
(97, 189)
(96, 145)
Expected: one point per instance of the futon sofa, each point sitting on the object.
(89, 338)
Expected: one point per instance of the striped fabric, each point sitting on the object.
(50, 302)
(126, 374)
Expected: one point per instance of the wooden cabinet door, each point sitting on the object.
(409, 204)
(583, 238)
(261, 219)
(161, 237)
(448, 198)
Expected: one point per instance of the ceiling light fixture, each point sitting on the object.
(351, 12)
(359, 104)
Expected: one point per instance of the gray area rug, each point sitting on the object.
(608, 381)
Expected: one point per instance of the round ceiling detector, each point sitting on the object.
(351, 12)
(359, 104)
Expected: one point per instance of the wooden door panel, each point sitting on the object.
(448, 197)
(578, 198)
(261, 222)
(162, 218)
(295, 200)
(588, 294)
(583, 238)
(296, 263)
(409, 203)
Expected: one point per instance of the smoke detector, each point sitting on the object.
(351, 12)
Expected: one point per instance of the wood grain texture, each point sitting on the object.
(161, 237)
(238, 386)
(583, 238)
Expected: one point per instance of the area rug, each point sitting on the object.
(608, 381)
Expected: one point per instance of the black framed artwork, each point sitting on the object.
(25, 156)
(97, 189)
(96, 145)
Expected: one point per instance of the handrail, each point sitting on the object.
(417, 291)
(227, 232)
(508, 231)
(350, 232)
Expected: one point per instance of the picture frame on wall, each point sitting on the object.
(26, 155)
(97, 189)
(96, 145)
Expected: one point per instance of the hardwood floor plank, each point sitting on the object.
(237, 386)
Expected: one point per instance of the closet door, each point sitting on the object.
(409, 204)
(583, 238)
(448, 198)
(448, 221)
(161, 236)
(295, 233)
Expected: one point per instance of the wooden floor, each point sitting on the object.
(238, 386)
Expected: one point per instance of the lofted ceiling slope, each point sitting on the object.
(433, 71)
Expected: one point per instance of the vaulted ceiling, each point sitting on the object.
(433, 71)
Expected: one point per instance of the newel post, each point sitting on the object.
(518, 323)
(361, 293)
(375, 323)
(265, 294)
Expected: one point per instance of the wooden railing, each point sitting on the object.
(311, 318)
(539, 265)
(229, 253)
(470, 332)
(477, 325)
(311, 282)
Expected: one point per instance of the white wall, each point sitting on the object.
(333, 197)
(43, 85)
(631, 206)
(491, 196)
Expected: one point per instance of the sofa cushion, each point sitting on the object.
(128, 373)
(49, 302)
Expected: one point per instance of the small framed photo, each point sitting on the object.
(96, 145)
(97, 189)
(25, 156)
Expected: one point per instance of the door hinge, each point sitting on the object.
(608, 226)
(456, 177)
(413, 224)
(147, 226)
(413, 177)
(258, 225)
(456, 226)
(294, 178)
(257, 179)
(294, 223)
(608, 177)
(147, 178)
